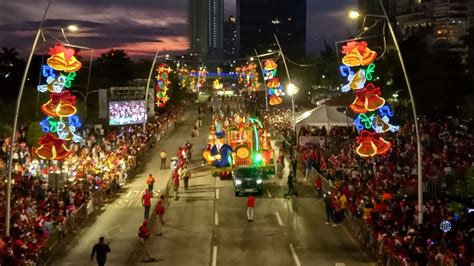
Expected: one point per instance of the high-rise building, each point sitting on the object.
(414, 16)
(259, 20)
(215, 27)
(471, 13)
(198, 13)
(230, 40)
(205, 22)
(450, 21)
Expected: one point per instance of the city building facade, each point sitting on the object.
(205, 28)
(259, 20)
(230, 41)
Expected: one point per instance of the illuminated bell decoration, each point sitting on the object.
(371, 144)
(60, 105)
(52, 148)
(356, 81)
(63, 59)
(445, 226)
(275, 100)
(357, 54)
(367, 99)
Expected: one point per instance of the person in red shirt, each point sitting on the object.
(250, 207)
(160, 211)
(319, 186)
(146, 202)
(144, 235)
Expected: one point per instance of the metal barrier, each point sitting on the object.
(361, 230)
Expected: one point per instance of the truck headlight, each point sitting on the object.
(259, 181)
(238, 182)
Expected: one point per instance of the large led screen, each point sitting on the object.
(127, 113)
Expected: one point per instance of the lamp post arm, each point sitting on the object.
(263, 78)
(15, 122)
(415, 119)
(284, 60)
(148, 85)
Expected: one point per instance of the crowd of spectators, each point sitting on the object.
(382, 191)
(45, 194)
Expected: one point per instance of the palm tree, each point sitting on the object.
(8, 56)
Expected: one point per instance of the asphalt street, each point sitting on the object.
(207, 225)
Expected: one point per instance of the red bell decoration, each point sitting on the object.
(60, 104)
(367, 99)
(52, 148)
(371, 144)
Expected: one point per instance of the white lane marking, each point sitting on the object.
(279, 218)
(290, 206)
(216, 219)
(214, 256)
(268, 193)
(295, 257)
(217, 193)
(340, 264)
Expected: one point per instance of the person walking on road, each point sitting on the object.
(160, 211)
(318, 183)
(163, 160)
(291, 186)
(250, 207)
(150, 181)
(101, 249)
(186, 175)
(146, 202)
(294, 166)
(144, 235)
(175, 177)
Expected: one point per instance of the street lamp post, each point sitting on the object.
(15, 122)
(84, 96)
(292, 90)
(149, 81)
(355, 14)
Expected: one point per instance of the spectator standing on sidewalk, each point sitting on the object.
(150, 181)
(163, 160)
(160, 211)
(146, 202)
(250, 207)
(144, 235)
(101, 249)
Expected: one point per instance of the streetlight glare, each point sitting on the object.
(354, 14)
(291, 89)
(73, 28)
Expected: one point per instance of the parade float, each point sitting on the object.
(238, 141)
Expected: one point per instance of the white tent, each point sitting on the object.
(323, 115)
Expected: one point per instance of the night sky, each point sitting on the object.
(141, 26)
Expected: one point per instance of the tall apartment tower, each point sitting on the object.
(205, 27)
(230, 40)
(259, 20)
(450, 21)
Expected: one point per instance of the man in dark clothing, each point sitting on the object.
(294, 166)
(328, 207)
(291, 186)
(101, 249)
